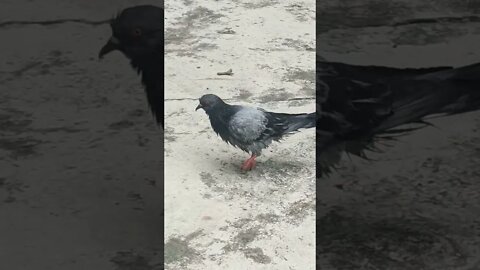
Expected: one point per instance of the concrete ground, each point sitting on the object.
(80, 155)
(417, 206)
(217, 217)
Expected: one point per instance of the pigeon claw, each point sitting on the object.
(249, 164)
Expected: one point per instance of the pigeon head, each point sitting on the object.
(210, 102)
(138, 33)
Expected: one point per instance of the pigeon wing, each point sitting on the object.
(247, 125)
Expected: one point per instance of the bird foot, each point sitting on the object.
(249, 164)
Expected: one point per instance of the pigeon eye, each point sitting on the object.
(137, 32)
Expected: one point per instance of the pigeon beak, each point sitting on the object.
(198, 107)
(112, 45)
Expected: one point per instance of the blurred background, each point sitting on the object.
(416, 206)
(80, 155)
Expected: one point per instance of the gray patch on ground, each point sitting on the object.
(241, 223)
(354, 243)
(256, 254)
(123, 124)
(187, 2)
(298, 210)
(308, 89)
(264, 66)
(193, 52)
(169, 134)
(242, 239)
(360, 15)
(20, 147)
(296, 44)
(196, 18)
(268, 218)
(259, 4)
(178, 250)
(296, 74)
(275, 94)
(11, 188)
(227, 31)
(279, 171)
(15, 121)
(421, 35)
(207, 179)
(243, 94)
(170, 137)
(300, 12)
(127, 260)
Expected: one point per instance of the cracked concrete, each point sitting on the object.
(248, 220)
(74, 193)
(415, 206)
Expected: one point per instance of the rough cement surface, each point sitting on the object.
(417, 205)
(217, 217)
(80, 155)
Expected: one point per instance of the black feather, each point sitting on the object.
(358, 106)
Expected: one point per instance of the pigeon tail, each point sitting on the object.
(445, 92)
(295, 122)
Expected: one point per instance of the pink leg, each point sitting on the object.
(249, 164)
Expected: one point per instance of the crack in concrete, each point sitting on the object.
(52, 22)
(446, 19)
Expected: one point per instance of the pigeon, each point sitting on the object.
(251, 129)
(360, 107)
(137, 32)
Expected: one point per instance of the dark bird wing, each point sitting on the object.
(153, 82)
(358, 106)
(253, 129)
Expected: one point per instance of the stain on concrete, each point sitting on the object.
(296, 74)
(169, 135)
(123, 124)
(11, 189)
(267, 218)
(278, 171)
(128, 260)
(256, 254)
(178, 250)
(298, 210)
(345, 15)
(258, 4)
(242, 239)
(195, 51)
(302, 13)
(296, 44)
(353, 243)
(14, 121)
(208, 179)
(20, 147)
(430, 34)
(275, 94)
(196, 18)
(243, 95)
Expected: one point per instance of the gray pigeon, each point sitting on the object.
(251, 129)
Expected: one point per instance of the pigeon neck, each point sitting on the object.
(152, 73)
(151, 69)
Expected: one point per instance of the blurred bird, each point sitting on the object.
(359, 106)
(251, 129)
(137, 32)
